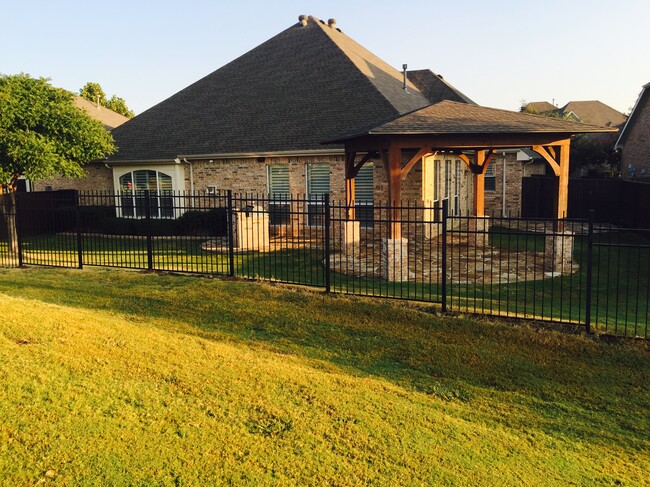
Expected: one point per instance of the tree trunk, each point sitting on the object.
(8, 213)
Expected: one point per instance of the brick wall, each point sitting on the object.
(515, 171)
(636, 146)
(98, 178)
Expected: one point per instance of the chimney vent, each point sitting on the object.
(404, 67)
(332, 23)
(303, 19)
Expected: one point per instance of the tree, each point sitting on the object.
(118, 105)
(42, 134)
(93, 92)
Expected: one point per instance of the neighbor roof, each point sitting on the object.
(541, 106)
(435, 87)
(108, 117)
(306, 84)
(448, 117)
(594, 112)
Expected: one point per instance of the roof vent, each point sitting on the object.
(439, 76)
(332, 23)
(303, 19)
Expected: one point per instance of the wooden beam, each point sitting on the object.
(414, 160)
(563, 182)
(478, 170)
(349, 185)
(465, 159)
(547, 156)
(394, 171)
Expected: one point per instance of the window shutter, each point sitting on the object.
(165, 182)
(364, 184)
(318, 180)
(279, 181)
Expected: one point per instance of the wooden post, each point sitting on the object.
(394, 173)
(563, 181)
(349, 185)
(478, 170)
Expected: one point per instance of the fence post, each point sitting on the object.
(147, 214)
(16, 209)
(590, 260)
(445, 212)
(328, 284)
(231, 239)
(77, 217)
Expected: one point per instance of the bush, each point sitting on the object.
(212, 223)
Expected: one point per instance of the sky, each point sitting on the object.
(496, 52)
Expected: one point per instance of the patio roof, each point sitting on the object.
(461, 128)
(465, 125)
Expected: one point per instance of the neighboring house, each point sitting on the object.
(110, 120)
(634, 139)
(592, 112)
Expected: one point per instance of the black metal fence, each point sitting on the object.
(569, 271)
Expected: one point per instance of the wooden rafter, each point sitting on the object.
(413, 161)
(541, 150)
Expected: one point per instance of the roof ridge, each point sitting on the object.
(367, 55)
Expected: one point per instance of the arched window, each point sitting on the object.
(133, 197)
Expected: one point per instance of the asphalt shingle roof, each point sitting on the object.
(305, 85)
(595, 112)
(448, 117)
(435, 87)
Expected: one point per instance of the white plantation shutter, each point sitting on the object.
(318, 180)
(364, 184)
(164, 182)
(279, 182)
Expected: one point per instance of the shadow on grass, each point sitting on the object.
(523, 377)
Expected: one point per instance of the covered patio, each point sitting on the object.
(473, 133)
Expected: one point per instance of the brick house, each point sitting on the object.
(256, 125)
(634, 139)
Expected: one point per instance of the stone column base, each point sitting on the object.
(394, 259)
(558, 254)
(477, 228)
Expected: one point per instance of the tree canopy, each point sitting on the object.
(43, 133)
(93, 92)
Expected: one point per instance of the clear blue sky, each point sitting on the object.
(496, 52)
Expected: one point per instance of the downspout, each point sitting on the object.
(503, 188)
(191, 175)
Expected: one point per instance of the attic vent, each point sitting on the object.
(332, 23)
(303, 20)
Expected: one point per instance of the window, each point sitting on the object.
(364, 195)
(318, 185)
(490, 179)
(279, 208)
(133, 200)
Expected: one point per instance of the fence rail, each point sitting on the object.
(569, 271)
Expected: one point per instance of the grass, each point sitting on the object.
(121, 378)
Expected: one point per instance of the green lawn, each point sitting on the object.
(118, 378)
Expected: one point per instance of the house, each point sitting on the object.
(634, 139)
(592, 112)
(256, 125)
